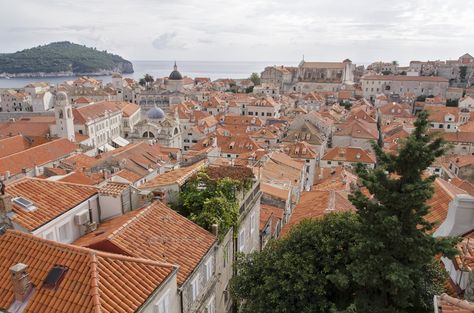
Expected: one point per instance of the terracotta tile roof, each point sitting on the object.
(82, 100)
(236, 144)
(300, 150)
(405, 78)
(268, 212)
(96, 110)
(286, 160)
(79, 161)
(113, 188)
(243, 120)
(157, 233)
(444, 193)
(438, 113)
(396, 110)
(463, 184)
(264, 102)
(278, 192)
(462, 160)
(139, 157)
(39, 155)
(129, 175)
(468, 127)
(95, 281)
(51, 199)
(12, 145)
(37, 126)
(349, 154)
(358, 129)
(316, 204)
(129, 109)
(459, 136)
(82, 178)
(272, 171)
(337, 178)
(178, 176)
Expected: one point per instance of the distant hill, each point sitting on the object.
(62, 59)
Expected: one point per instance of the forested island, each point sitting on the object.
(62, 59)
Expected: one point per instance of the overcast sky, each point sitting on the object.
(246, 30)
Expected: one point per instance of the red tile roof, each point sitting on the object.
(12, 145)
(317, 203)
(178, 176)
(358, 129)
(39, 155)
(95, 281)
(51, 199)
(96, 110)
(157, 233)
(349, 154)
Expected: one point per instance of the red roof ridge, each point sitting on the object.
(35, 147)
(128, 223)
(95, 284)
(88, 251)
(16, 182)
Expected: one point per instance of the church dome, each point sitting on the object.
(155, 113)
(175, 74)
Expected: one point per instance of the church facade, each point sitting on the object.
(311, 76)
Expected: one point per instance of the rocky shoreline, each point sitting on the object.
(58, 74)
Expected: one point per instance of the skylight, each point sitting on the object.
(55, 276)
(24, 203)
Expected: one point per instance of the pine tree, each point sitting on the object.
(394, 253)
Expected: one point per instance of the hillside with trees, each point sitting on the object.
(62, 58)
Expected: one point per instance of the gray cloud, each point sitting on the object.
(166, 41)
(247, 30)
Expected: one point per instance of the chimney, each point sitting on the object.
(20, 281)
(215, 229)
(5, 210)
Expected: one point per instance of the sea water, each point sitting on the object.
(210, 69)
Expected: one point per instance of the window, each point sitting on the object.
(252, 223)
(209, 268)
(195, 287)
(163, 305)
(241, 240)
(329, 162)
(64, 233)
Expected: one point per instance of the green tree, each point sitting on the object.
(255, 78)
(306, 271)
(394, 249)
(207, 201)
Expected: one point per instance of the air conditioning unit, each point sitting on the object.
(81, 218)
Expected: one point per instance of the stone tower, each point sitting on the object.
(348, 74)
(64, 117)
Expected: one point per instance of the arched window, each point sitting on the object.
(175, 131)
(148, 134)
(69, 113)
(61, 115)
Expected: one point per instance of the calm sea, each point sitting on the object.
(213, 70)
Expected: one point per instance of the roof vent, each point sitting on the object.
(55, 276)
(25, 204)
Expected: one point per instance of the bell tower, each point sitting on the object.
(64, 117)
